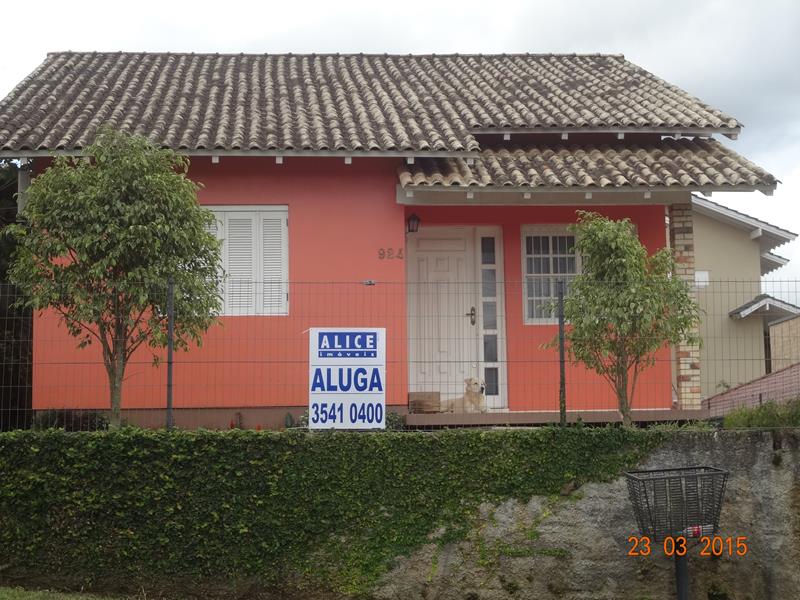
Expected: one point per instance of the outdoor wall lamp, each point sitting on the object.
(412, 223)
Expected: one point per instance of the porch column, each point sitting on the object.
(687, 356)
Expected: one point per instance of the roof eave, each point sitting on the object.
(770, 262)
(689, 131)
(757, 227)
(764, 189)
(765, 302)
(284, 153)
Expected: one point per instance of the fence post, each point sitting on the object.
(562, 384)
(170, 335)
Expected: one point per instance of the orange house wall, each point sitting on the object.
(532, 370)
(340, 216)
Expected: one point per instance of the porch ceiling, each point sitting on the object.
(680, 164)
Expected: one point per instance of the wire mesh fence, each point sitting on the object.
(483, 349)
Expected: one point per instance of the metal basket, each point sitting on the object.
(677, 502)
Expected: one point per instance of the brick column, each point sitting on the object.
(687, 356)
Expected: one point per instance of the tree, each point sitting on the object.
(15, 322)
(624, 306)
(99, 239)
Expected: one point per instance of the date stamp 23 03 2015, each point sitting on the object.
(708, 545)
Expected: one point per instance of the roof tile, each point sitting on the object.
(668, 163)
(335, 102)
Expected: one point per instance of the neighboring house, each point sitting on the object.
(374, 190)
(784, 342)
(732, 252)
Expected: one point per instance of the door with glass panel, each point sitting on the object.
(455, 313)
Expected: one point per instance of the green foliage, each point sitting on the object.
(769, 414)
(327, 510)
(100, 237)
(15, 322)
(625, 305)
(8, 211)
(70, 420)
(22, 594)
(395, 421)
(674, 426)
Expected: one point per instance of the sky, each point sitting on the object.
(737, 55)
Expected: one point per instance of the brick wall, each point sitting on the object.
(687, 356)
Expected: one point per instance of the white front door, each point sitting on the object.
(452, 335)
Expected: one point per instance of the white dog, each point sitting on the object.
(472, 401)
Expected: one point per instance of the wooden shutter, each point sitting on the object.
(240, 268)
(216, 228)
(274, 263)
(255, 260)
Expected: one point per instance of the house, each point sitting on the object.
(732, 252)
(427, 194)
(784, 341)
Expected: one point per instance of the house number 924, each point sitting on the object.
(390, 253)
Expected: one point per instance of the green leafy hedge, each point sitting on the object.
(331, 509)
(770, 414)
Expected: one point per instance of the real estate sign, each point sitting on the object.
(347, 378)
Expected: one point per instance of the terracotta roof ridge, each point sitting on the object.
(348, 54)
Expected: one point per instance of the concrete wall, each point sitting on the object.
(733, 350)
(576, 546)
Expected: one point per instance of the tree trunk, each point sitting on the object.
(115, 385)
(622, 396)
(116, 372)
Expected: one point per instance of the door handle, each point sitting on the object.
(472, 314)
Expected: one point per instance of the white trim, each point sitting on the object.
(764, 303)
(664, 131)
(775, 259)
(218, 208)
(732, 217)
(25, 153)
(448, 195)
(548, 229)
(496, 232)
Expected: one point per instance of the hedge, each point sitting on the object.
(329, 509)
(769, 414)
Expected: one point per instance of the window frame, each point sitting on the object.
(550, 230)
(258, 211)
(499, 402)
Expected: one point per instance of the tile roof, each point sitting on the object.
(420, 103)
(682, 163)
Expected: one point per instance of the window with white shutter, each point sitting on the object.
(255, 260)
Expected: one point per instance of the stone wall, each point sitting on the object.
(575, 546)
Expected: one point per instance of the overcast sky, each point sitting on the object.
(739, 56)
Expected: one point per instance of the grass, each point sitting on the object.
(770, 414)
(22, 594)
(18, 593)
